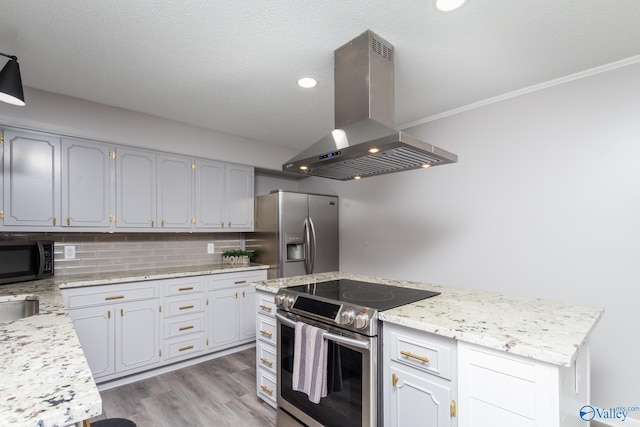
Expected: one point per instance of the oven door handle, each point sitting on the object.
(329, 336)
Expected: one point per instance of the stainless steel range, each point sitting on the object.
(347, 310)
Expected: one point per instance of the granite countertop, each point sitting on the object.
(45, 380)
(541, 329)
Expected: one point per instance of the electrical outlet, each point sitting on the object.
(69, 252)
(210, 248)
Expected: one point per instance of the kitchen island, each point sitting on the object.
(46, 380)
(530, 352)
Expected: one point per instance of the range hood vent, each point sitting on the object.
(364, 142)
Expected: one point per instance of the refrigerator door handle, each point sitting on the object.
(306, 245)
(312, 249)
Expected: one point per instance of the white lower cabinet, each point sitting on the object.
(133, 327)
(117, 325)
(230, 304)
(419, 378)
(266, 341)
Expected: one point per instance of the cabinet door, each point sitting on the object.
(223, 318)
(209, 185)
(31, 180)
(415, 400)
(87, 184)
(248, 313)
(137, 335)
(175, 192)
(95, 329)
(135, 188)
(239, 197)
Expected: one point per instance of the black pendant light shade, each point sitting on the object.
(11, 82)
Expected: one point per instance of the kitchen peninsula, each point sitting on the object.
(46, 378)
(521, 361)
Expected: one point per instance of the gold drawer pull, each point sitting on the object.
(267, 389)
(189, 347)
(113, 297)
(186, 307)
(265, 307)
(267, 333)
(184, 328)
(266, 361)
(239, 282)
(394, 380)
(189, 288)
(414, 356)
(453, 410)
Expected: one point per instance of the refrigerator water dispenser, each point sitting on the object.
(295, 246)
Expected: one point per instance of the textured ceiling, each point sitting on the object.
(233, 65)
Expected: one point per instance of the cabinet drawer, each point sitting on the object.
(224, 281)
(266, 304)
(429, 354)
(183, 325)
(267, 330)
(185, 347)
(183, 286)
(109, 294)
(266, 357)
(187, 304)
(267, 386)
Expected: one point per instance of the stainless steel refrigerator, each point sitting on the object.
(296, 233)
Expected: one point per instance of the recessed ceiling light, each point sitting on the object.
(357, 177)
(425, 165)
(307, 82)
(448, 5)
(374, 150)
(304, 168)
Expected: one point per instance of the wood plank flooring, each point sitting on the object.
(219, 392)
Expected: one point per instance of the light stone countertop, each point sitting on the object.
(45, 380)
(541, 329)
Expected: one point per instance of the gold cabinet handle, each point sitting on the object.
(184, 328)
(229, 224)
(113, 297)
(265, 307)
(121, 312)
(109, 314)
(152, 223)
(68, 221)
(239, 282)
(266, 333)
(453, 409)
(193, 220)
(222, 224)
(266, 361)
(242, 294)
(185, 307)
(394, 380)
(54, 220)
(414, 356)
(189, 288)
(162, 223)
(189, 347)
(266, 389)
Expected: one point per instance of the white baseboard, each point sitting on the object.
(106, 385)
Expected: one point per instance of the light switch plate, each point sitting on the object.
(69, 252)
(210, 248)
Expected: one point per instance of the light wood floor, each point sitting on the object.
(220, 392)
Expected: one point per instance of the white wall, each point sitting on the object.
(75, 117)
(544, 202)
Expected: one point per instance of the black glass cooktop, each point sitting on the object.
(374, 295)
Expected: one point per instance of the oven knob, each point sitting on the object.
(288, 301)
(280, 300)
(347, 316)
(362, 320)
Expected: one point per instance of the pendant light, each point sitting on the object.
(10, 82)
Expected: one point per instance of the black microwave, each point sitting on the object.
(22, 260)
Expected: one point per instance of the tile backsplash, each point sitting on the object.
(102, 252)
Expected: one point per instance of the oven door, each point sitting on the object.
(351, 378)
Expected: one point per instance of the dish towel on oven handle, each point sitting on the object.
(310, 362)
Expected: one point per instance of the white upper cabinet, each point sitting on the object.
(135, 188)
(239, 197)
(48, 183)
(31, 180)
(87, 184)
(175, 192)
(209, 185)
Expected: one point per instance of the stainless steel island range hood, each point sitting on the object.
(364, 142)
